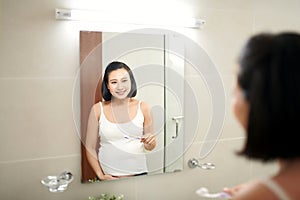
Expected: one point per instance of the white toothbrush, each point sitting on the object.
(203, 192)
(132, 137)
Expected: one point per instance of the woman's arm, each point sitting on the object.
(148, 138)
(91, 143)
(249, 190)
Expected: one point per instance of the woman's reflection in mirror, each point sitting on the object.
(124, 125)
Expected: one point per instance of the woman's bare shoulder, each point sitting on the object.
(254, 190)
(144, 106)
(146, 109)
(96, 109)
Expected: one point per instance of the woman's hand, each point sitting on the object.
(149, 141)
(236, 189)
(231, 191)
(107, 177)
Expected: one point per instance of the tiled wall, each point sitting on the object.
(39, 59)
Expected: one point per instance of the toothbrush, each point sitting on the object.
(132, 137)
(203, 192)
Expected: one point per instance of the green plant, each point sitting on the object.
(106, 197)
(93, 180)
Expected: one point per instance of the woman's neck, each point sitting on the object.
(288, 165)
(120, 102)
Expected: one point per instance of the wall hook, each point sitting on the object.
(193, 162)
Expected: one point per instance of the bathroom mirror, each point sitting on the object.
(159, 76)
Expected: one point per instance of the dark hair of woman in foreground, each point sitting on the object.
(269, 77)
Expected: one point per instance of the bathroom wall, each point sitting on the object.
(39, 59)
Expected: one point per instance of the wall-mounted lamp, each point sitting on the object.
(100, 16)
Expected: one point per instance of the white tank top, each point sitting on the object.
(121, 152)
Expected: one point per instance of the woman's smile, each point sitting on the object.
(122, 92)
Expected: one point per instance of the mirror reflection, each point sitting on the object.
(126, 124)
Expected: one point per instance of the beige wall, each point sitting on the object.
(39, 59)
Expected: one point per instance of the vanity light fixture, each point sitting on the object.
(99, 16)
